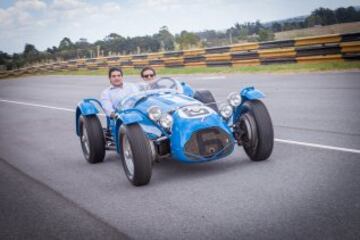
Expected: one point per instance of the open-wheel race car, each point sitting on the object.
(168, 119)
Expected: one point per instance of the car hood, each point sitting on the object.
(167, 102)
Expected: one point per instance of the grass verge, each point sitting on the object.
(274, 68)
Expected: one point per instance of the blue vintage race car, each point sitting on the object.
(166, 118)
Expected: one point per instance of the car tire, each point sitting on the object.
(257, 119)
(92, 138)
(135, 154)
(206, 97)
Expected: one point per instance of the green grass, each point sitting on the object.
(274, 68)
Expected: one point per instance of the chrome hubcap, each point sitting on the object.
(85, 140)
(128, 156)
(248, 126)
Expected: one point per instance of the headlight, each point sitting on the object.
(226, 110)
(166, 121)
(234, 99)
(154, 113)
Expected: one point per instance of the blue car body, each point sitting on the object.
(192, 138)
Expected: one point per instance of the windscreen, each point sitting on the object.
(144, 89)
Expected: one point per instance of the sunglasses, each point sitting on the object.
(148, 76)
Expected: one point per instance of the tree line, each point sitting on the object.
(164, 40)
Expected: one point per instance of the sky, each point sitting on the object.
(45, 22)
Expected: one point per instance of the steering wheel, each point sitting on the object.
(173, 85)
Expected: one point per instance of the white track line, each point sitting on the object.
(37, 105)
(42, 106)
(208, 77)
(314, 145)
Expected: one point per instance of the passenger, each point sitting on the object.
(118, 89)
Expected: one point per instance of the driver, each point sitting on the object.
(148, 73)
(118, 89)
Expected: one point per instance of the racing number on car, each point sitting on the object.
(195, 112)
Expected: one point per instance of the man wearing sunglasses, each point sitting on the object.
(148, 73)
(117, 90)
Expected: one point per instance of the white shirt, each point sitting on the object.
(112, 96)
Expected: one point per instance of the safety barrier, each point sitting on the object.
(334, 47)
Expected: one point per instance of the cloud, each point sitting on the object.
(68, 4)
(111, 8)
(29, 5)
(21, 13)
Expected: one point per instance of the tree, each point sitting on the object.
(112, 37)
(165, 38)
(341, 15)
(187, 40)
(30, 50)
(18, 61)
(312, 20)
(349, 14)
(321, 16)
(5, 60)
(113, 43)
(276, 27)
(31, 54)
(146, 44)
(265, 35)
(66, 44)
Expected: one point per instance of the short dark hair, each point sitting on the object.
(147, 68)
(115, 69)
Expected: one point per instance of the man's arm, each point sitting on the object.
(107, 104)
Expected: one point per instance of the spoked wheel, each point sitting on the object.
(92, 139)
(128, 157)
(257, 129)
(135, 154)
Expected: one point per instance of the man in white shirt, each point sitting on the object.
(117, 90)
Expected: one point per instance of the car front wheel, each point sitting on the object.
(258, 133)
(135, 154)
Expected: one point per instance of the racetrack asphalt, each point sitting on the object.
(302, 192)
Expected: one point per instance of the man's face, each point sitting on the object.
(148, 75)
(116, 79)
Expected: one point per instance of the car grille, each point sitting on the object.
(208, 142)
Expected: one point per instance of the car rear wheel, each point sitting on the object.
(92, 139)
(135, 154)
(258, 133)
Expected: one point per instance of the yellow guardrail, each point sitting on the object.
(306, 41)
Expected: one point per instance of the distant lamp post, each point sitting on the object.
(97, 50)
